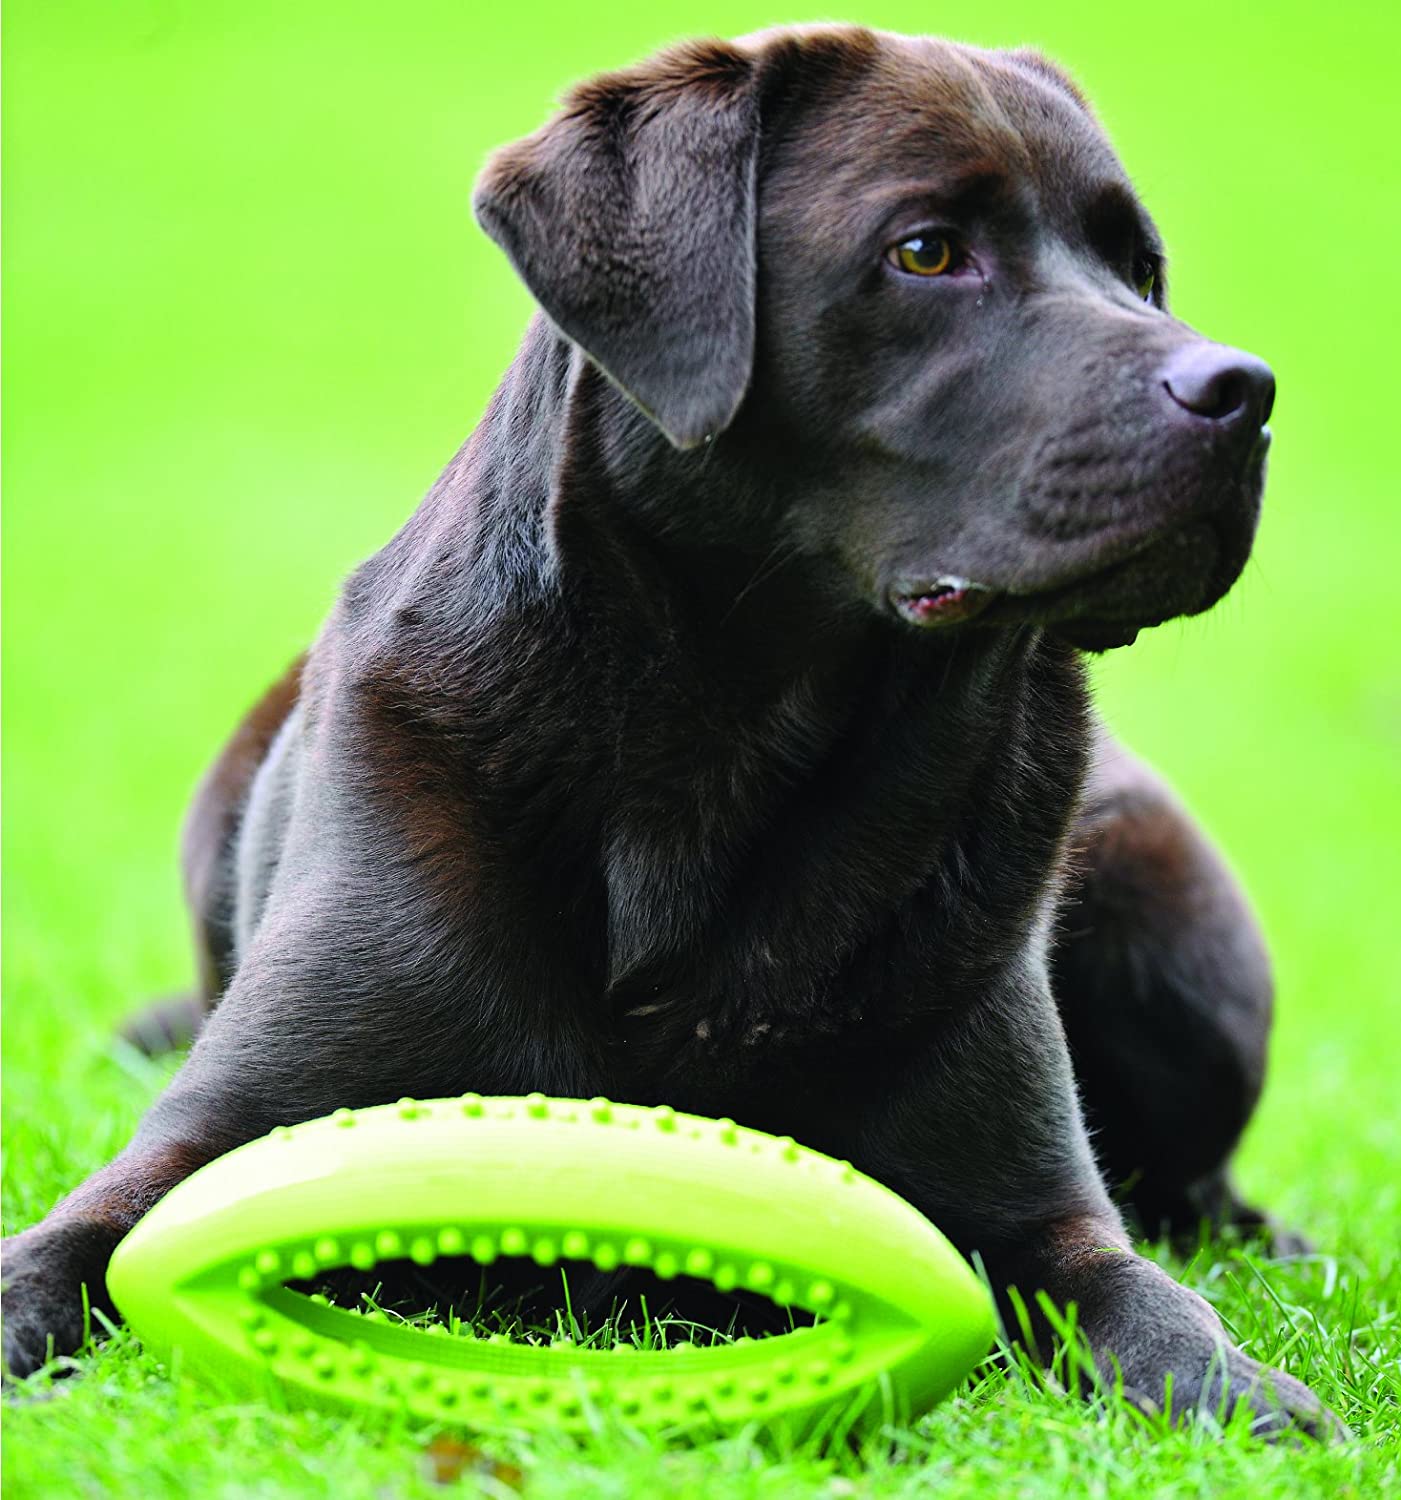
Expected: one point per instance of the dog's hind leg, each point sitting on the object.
(1165, 990)
(165, 1025)
(207, 852)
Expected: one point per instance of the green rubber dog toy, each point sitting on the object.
(558, 1180)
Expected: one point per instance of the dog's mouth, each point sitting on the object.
(954, 601)
(945, 601)
(1137, 577)
(949, 601)
(1165, 576)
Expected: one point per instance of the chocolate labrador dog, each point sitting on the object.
(716, 732)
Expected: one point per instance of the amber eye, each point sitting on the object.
(923, 254)
(1145, 277)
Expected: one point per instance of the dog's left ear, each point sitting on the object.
(630, 217)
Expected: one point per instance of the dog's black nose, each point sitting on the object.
(1220, 384)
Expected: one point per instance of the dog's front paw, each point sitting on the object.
(44, 1271)
(1280, 1405)
(1168, 1347)
(1197, 1373)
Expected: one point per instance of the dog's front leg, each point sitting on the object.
(56, 1270)
(981, 1130)
(320, 1015)
(234, 1087)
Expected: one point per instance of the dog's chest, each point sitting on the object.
(775, 979)
(774, 910)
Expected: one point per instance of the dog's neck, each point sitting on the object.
(689, 550)
(669, 577)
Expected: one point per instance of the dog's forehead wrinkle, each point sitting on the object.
(923, 106)
(1072, 158)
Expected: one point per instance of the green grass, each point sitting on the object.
(247, 318)
(123, 1427)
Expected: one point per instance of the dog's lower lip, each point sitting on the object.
(943, 601)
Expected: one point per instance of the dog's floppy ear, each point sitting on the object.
(630, 217)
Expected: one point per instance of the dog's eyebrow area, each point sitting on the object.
(963, 195)
(1115, 226)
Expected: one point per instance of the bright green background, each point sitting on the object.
(248, 318)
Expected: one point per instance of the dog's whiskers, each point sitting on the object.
(778, 557)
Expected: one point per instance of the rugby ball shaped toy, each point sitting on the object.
(892, 1310)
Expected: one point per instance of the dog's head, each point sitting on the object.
(912, 284)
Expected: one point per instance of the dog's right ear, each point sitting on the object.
(630, 217)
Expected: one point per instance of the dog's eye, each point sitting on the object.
(923, 254)
(1145, 277)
